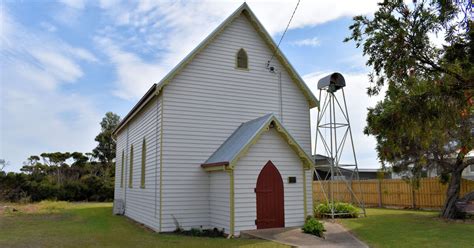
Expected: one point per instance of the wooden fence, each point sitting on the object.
(389, 192)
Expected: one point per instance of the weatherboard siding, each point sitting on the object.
(219, 208)
(141, 204)
(206, 102)
(309, 191)
(270, 146)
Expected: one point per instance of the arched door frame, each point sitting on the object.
(270, 198)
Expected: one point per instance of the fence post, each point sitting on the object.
(380, 192)
(413, 195)
(353, 201)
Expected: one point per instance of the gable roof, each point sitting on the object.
(246, 135)
(245, 10)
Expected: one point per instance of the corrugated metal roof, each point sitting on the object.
(238, 140)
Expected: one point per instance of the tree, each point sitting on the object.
(3, 164)
(426, 118)
(70, 176)
(56, 161)
(105, 150)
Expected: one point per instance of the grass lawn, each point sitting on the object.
(60, 224)
(404, 228)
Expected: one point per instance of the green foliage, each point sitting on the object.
(427, 116)
(105, 150)
(67, 183)
(313, 226)
(66, 176)
(344, 210)
(200, 232)
(196, 232)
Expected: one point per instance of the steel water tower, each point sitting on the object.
(334, 139)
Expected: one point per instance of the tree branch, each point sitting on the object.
(443, 70)
(469, 161)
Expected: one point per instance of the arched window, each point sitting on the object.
(122, 168)
(130, 179)
(242, 59)
(142, 179)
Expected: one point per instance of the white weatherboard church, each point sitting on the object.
(223, 141)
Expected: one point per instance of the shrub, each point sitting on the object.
(344, 210)
(196, 232)
(313, 226)
(200, 232)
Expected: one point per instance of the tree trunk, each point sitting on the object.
(452, 194)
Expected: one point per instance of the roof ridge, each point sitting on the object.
(259, 118)
(267, 39)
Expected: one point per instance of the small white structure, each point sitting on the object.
(221, 141)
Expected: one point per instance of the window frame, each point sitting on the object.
(237, 60)
(122, 168)
(130, 174)
(142, 176)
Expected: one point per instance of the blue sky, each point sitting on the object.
(65, 63)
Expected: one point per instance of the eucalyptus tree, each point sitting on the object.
(105, 150)
(425, 120)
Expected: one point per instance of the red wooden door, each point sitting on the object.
(270, 204)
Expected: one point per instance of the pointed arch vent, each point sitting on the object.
(242, 59)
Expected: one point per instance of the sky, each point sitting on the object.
(64, 64)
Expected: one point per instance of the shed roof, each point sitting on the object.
(247, 134)
(245, 10)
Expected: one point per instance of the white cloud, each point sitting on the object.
(312, 42)
(49, 61)
(70, 14)
(107, 3)
(82, 54)
(134, 76)
(357, 104)
(309, 13)
(57, 65)
(77, 4)
(355, 62)
(437, 39)
(36, 115)
(36, 121)
(173, 29)
(48, 26)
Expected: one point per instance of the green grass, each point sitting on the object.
(404, 228)
(60, 224)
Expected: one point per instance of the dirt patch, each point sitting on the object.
(9, 209)
(43, 207)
